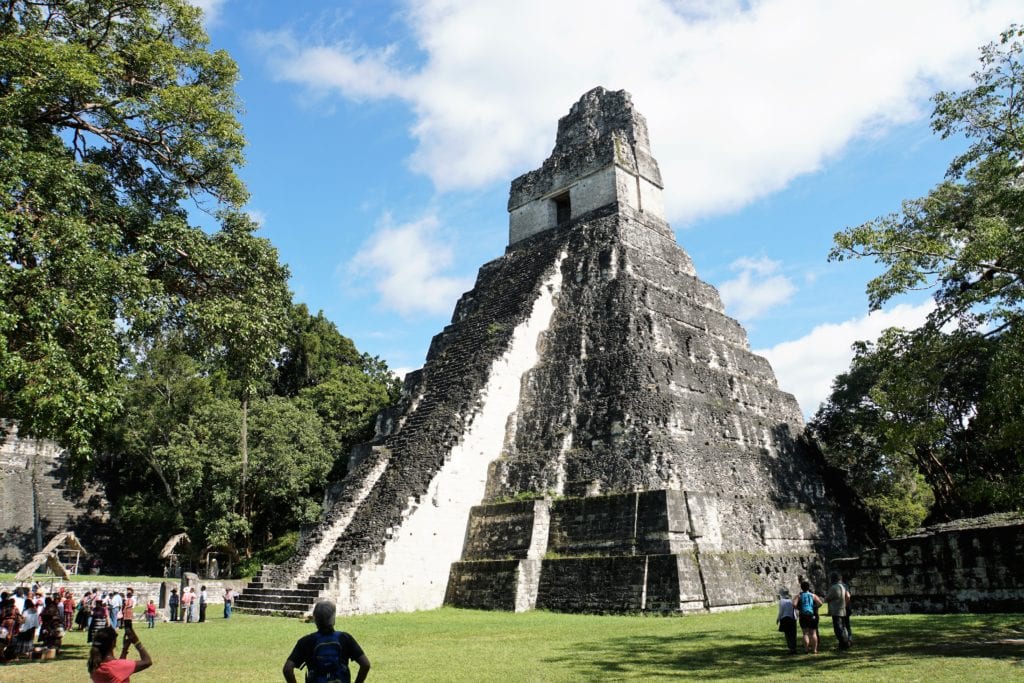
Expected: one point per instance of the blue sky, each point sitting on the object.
(384, 135)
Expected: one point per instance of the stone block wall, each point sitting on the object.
(971, 565)
(499, 531)
(483, 584)
(593, 584)
(36, 501)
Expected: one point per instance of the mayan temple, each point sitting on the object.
(590, 433)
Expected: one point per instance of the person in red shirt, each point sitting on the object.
(128, 610)
(104, 668)
(186, 604)
(69, 610)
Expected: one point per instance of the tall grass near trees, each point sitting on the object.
(463, 645)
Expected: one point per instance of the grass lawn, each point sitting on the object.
(463, 645)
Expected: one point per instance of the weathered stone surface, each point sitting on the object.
(972, 565)
(39, 502)
(591, 368)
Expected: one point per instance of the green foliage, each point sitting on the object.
(275, 552)
(171, 462)
(945, 401)
(314, 349)
(112, 114)
(147, 346)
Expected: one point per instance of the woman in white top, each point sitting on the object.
(787, 619)
(27, 632)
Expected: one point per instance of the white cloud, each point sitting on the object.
(807, 366)
(406, 264)
(757, 288)
(741, 97)
(258, 217)
(211, 9)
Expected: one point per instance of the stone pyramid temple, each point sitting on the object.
(590, 433)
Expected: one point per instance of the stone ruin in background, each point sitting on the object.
(590, 433)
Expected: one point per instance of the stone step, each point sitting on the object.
(273, 601)
(290, 592)
(272, 612)
(313, 585)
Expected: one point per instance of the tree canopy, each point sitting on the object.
(943, 405)
(114, 116)
(168, 358)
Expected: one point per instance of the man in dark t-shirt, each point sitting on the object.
(303, 652)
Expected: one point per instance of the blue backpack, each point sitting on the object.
(328, 664)
(806, 603)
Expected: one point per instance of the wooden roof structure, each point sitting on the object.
(172, 543)
(50, 557)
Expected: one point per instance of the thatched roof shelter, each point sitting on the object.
(172, 543)
(50, 556)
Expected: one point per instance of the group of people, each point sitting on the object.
(191, 606)
(804, 610)
(115, 609)
(30, 618)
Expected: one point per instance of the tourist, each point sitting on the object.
(172, 604)
(808, 604)
(10, 620)
(104, 668)
(846, 617)
(186, 605)
(193, 612)
(51, 625)
(333, 651)
(28, 628)
(837, 597)
(128, 616)
(202, 605)
(229, 597)
(84, 609)
(98, 619)
(151, 614)
(69, 610)
(116, 604)
(787, 619)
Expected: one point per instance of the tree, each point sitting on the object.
(945, 400)
(313, 350)
(112, 115)
(241, 319)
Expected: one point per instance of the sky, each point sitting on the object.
(383, 137)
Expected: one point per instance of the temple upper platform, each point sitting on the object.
(602, 156)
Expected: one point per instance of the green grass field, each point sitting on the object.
(463, 645)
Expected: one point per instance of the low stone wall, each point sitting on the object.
(971, 565)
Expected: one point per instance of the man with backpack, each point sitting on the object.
(326, 653)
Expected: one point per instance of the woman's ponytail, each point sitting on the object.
(102, 645)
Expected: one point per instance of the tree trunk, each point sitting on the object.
(244, 447)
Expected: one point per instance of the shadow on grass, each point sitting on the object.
(879, 642)
(68, 651)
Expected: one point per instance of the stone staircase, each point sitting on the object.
(260, 598)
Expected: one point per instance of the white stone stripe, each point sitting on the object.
(316, 555)
(411, 572)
